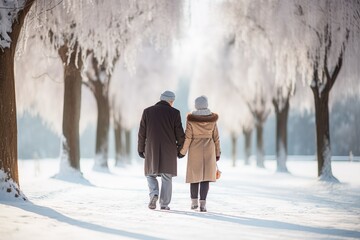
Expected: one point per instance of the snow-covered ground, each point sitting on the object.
(246, 203)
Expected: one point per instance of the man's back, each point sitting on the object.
(161, 121)
(160, 135)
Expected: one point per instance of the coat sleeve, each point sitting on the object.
(142, 133)
(216, 139)
(188, 138)
(179, 132)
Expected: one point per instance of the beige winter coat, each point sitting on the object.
(202, 142)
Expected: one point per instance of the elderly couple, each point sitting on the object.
(161, 140)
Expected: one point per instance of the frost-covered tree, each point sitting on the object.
(313, 39)
(12, 15)
(98, 71)
(330, 32)
(283, 91)
(282, 59)
(158, 21)
(309, 38)
(209, 69)
(226, 67)
(65, 41)
(107, 29)
(130, 92)
(247, 132)
(237, 117)
(70, 152)
(252, 79)
(39, 76)
(281, 105)
(98, 81)
(257, 100)
(253, 46)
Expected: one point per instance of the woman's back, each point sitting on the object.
(202, 142)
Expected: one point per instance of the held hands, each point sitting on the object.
(180, 155)
(218, 157)
(141, 154)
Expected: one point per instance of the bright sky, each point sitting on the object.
(199, 28)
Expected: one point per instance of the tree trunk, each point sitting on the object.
(71, 112)
(119, 146)
(321, 91)
(247, 146)
(99, 85)
(323, 136)
(281, 134)
(8, 127)
(8, 124)
(128, 146)
(259, 146)
(124, 149)
(233, 144)
(102, 129)
(260, 115)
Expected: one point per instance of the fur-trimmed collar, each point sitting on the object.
(197, 118)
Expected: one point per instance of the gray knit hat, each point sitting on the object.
(167, 96)
(201, 103)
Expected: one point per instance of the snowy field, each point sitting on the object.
(246, 203)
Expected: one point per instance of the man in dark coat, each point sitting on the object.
(160, 139)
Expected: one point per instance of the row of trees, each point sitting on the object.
(273, 49)
(310, 42)
(260, 53)
(89, 38)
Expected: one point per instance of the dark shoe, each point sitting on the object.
(194, 203)
(165, 208)
(202, 209)
(202, 205)
(152, 203)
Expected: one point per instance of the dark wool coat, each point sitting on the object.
(202, 142)
(160, 137)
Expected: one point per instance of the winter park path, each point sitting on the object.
(246, 203)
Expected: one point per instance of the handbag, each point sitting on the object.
(218, 172)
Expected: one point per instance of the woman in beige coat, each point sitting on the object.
(202, 142)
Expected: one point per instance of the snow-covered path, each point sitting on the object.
(247, 203)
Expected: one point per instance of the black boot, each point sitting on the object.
(194, 203)
(152, 203)
(202, 205)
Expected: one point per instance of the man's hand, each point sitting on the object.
(180, 155)
(141, 154)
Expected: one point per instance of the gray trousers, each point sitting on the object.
(166, 188)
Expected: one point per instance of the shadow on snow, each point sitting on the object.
(51, 213)
(255, 222)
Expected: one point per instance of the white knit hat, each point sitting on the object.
(167, 96)
(201, 103)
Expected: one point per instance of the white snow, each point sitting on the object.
(246, 203)
(8, 15)
(9, 190)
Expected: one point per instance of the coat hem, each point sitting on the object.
(205, 180)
